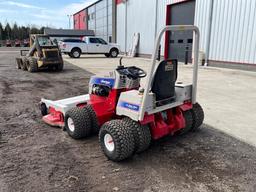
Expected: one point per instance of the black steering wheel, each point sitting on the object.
(135, 72)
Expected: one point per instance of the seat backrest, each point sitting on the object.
(164, 80)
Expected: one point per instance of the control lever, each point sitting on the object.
(120, 64)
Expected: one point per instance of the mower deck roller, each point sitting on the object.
(43, 53)
(126, 115)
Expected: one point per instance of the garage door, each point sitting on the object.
(180, 43)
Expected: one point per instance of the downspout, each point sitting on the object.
(156, 18)
(209, 31)
(125, 28)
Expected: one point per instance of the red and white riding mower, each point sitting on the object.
(126, 115)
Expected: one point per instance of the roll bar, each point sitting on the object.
(154, 57)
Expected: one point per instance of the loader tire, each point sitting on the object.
(94, 119)
(18, 63)
(116, 140)
(60, 67)
(141, 134)
(24, 63)
(78, 123)
(188, 122)
(32, 65)
(198, 116)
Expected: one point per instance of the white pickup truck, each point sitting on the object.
(88, 45)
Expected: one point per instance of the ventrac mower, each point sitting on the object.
(126, 115)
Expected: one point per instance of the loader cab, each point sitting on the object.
(43, 40)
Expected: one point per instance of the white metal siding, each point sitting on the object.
(233, 28)
(101, 19)
(233, 31)
(141, 19)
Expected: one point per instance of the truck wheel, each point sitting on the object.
(107, 55)
(113, 53)
(198, 116)
(24, 63)
(141, 134)
(70, 55)
(94, 119)
(32, 65)
(76, 53)
(78, 123)
(116, 140)
(188, 122)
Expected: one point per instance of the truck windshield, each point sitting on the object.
(45, 41)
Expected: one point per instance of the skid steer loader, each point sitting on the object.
(43, 53)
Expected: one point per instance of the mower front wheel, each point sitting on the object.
(116, 140)
(78, 123)
(141, 134)
(94, 119)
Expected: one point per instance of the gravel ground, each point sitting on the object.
(37, 157)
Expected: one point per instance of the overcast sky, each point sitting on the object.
(52, 13)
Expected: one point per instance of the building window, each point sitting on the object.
(91, 16)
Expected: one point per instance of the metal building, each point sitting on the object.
(227, 27)
(99, 18)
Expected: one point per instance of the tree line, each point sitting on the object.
(12, 32)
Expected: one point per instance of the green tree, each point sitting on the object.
(8, 31)
(1, 32)
(15, 32)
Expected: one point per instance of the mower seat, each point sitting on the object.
(163, 85)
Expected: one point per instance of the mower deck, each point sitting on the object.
(64, 105)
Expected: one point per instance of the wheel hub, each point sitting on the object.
(76, 53)
(71, 125)
(114, 53)
(109, 143)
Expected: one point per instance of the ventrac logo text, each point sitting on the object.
(130, 106)
(105, 82)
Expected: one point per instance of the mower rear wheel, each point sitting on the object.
(24, 63)
(116, 140)
(141, 134)
(188, 122)
(78, 123)
(94, 119)
(32, 65)
(198, 116)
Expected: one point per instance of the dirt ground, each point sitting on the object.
(37, 157)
